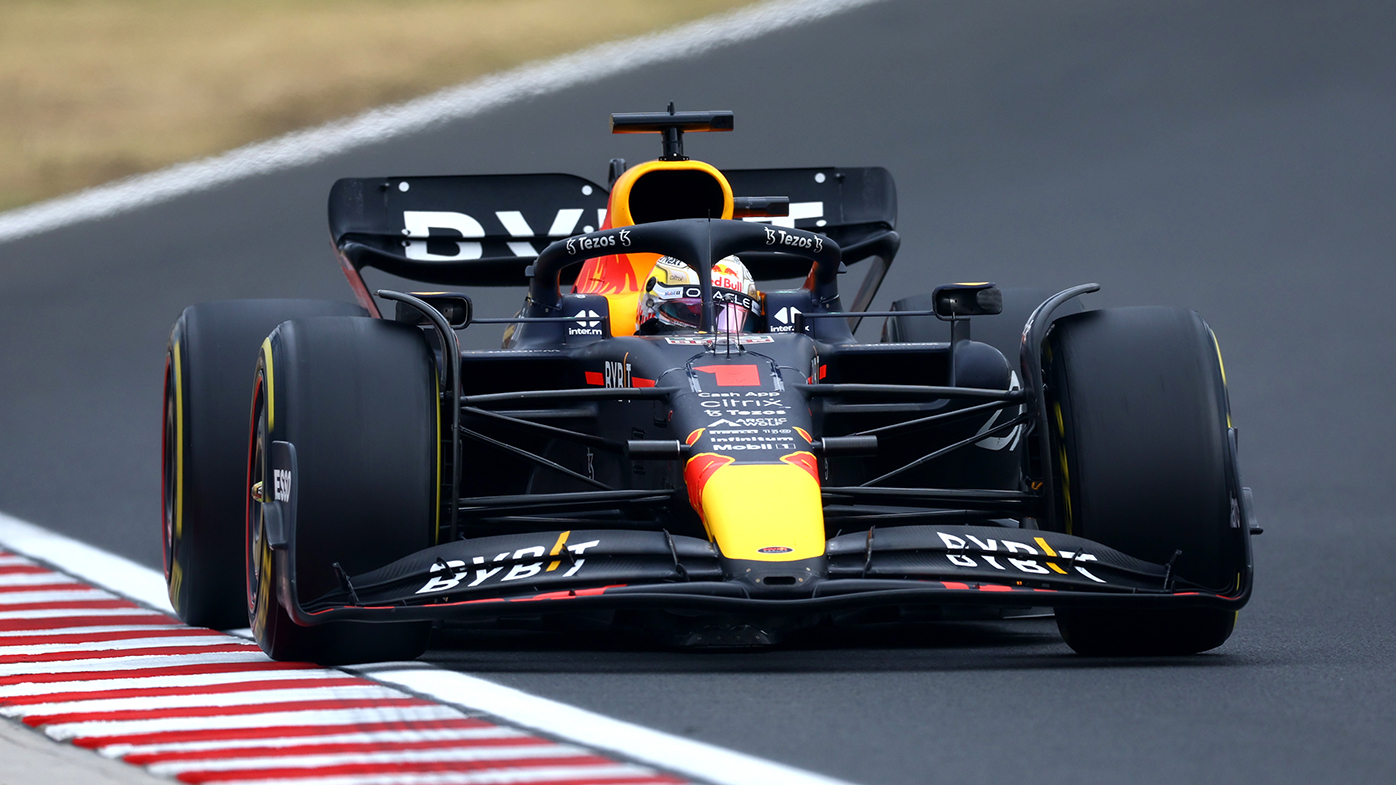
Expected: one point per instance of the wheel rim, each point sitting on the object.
(258, 574)
(168, 473)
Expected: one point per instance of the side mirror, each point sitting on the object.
(956, 300)
(455, 308)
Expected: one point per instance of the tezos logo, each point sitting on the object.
(594, 242)
(776, 549)
(782, 237)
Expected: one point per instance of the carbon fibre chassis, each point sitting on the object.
(931, 565)
(894, 566)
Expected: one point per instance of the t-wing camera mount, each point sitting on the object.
(671, 124)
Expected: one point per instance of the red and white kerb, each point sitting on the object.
(86, 666)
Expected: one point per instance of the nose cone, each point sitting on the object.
(768, 512)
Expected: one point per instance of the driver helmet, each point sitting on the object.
(672, 299)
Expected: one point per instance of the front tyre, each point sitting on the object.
(208, 380)
(358, 400)
(1138, 411)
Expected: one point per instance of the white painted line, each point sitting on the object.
(130, 643)
(526, 82)
(33, 579)
(685, 756)
(644, 745)
(447, 754)
(160, 682)
(68, 613)
(136, 662)
(200, 700)
(70, 595)
(606, 774)
(99, 728)
(11, 560)
(60, 631)
(93, 565)
(374, 737)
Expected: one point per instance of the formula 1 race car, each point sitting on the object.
(660, 444)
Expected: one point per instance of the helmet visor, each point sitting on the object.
(686, 311)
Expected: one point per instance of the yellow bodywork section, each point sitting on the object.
(751, 507)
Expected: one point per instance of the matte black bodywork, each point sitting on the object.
(568, 483)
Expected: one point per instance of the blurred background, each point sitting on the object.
(95, 90)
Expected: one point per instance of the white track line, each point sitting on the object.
(93, 729)
(93, 565)
(161, 682)
(137, 662)
(33, 579)
(601, 774)
(672, 753)
(378, 125)
(199, 700)
(68, 613)
(373, 737)
(531, 752)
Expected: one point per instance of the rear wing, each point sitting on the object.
(484, 230)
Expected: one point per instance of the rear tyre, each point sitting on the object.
(358, 400)
(1139, 444)
(208, 379)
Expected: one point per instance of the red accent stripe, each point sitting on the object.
(335, 748)
(106, 654)
(326, 704)
(23, 569)
(330, 704)
(61, 622)
(398, 767)
(168, 670)
(566, 594)
(102, 637)
(193, 689)
(953, 585)
(638, 382)
(994, 587)
(282, 732)
(594, 377)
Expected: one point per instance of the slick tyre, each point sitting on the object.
(357, 399)
(1139, 415)
(209, 365)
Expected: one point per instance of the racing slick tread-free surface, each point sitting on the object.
(356, 397)
(205, 492)
(1138, 406)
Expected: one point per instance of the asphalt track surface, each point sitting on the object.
(1235, 158)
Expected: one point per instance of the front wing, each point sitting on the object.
(567, 571)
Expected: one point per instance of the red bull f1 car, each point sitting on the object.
(345, 476)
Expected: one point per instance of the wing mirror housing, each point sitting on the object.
(455, 308)
(957, 300)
